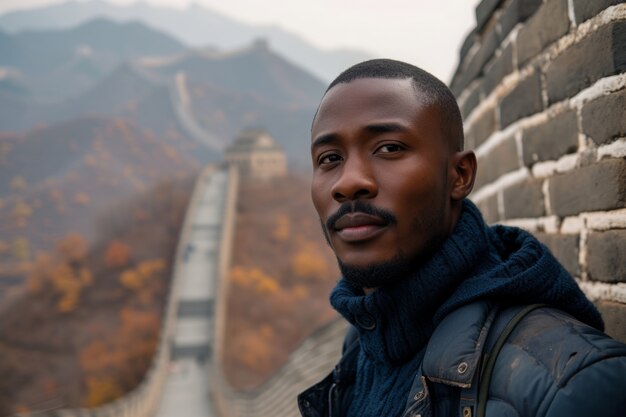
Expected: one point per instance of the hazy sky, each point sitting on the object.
(427, 33)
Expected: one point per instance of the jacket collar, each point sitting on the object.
(454, 350)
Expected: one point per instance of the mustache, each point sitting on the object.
(359, 207)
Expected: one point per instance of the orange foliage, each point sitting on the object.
(283, 228)
(72, 247)
(256, 348)
(101, 390)
(280, 285)
(69, 282)
(255, 279)
(300, 292)
(66, 274)
(306, 263)
(130, 348)
(136, 278)
(117, 255)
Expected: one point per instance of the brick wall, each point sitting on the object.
(542, 89)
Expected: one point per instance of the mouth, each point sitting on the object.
(358, 227)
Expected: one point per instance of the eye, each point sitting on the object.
(328, 158)
(389, 148)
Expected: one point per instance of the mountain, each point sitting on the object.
(36, 51)
(84, 205)
(62, 177)
(197, 26)
(61, 63)
(256, 70)
(198, 100)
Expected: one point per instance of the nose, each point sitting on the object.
(355, 181)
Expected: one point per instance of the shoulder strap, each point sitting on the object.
(492, 356)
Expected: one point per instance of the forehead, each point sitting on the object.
(366, 100)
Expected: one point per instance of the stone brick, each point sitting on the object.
(484, 10)
(482, 178)
(472, 100)
(586, 9)
(601, 54)
(601, 186)
(605, 256)
(489, 42)
(470, 39)
(614, 315)
(604, 119)
(498, 68)
(565, 248)
(549, 141)
(501, 159)
(546, 26)
(523, 100)
(517, 12)
(468, 140)
(483, 126)
(489, 209)
(524, 200)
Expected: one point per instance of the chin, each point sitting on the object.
(376, 274)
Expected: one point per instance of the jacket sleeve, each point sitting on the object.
(597, 390)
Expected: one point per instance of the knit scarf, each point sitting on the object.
(476, 261)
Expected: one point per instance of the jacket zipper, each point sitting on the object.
(331, 392)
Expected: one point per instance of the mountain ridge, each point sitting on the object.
(197, 26)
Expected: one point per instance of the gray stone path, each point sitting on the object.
(187, 389)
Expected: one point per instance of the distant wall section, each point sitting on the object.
(542, 89)
(307, 365)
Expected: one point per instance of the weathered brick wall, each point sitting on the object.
(542, 89)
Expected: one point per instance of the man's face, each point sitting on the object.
(381, 169)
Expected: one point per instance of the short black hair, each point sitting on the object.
(430, 88)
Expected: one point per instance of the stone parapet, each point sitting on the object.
(542, 88)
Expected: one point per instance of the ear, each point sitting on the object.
(463, 174)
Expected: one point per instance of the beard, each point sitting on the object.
(381, 274)
(401, 266)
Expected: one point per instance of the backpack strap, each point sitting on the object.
(489, 360)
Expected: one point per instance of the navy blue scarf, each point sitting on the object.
(475, 262)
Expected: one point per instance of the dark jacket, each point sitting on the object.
(552, 365)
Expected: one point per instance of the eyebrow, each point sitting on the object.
(323, 140)
(385, 128)
(372, 128)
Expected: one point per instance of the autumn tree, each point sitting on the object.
(72, 247)
(65, 274)
(117, 255)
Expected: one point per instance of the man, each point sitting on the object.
(427, 286)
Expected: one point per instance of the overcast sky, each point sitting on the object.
(427, 33)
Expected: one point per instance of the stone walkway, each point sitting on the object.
(187, 389)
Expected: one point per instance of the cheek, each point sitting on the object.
(318, 196)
